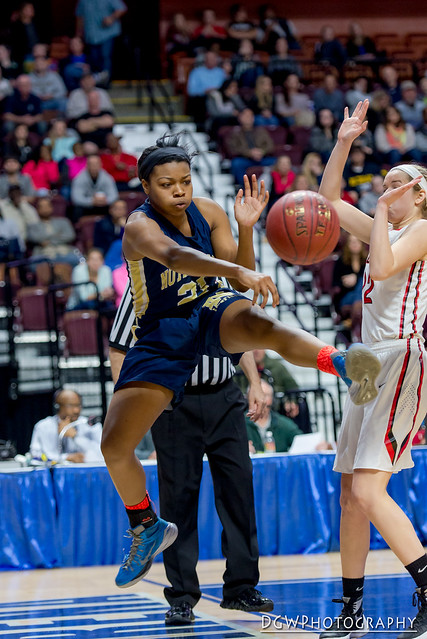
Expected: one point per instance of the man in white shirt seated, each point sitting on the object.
(66, 436)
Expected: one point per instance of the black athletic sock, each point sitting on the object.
(142, 513)
(353, 592)
(418, 571)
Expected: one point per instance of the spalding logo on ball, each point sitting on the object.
(302, 227)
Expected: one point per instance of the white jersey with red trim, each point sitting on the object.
(394, 308)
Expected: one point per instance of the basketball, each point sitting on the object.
(302, 227)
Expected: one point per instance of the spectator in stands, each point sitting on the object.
(5, 90)
(329, 96)
(293, 104)
(281, 63)
(359, 169)
(249, 145)
(42, 170)
(421, 137)
(110, 228)
(53, 237)
(358, 92)
(263, 103)
(20, 143)
(245, 65)
(121, 166)
(12, 176)
(379, 102)
(369, 198)
(93, 190)
(301, 183)
(201, 80)
(271, 28)
(75, 64)
(95, 124)
(323, 136)
(61, 140)
(274, 371)
(12, 246)
(23, 33)
(270, 423)
(240, 27)
(66, 436)
(87, 296)
(23, 107)
(71, 167)
(348, 280)
(15, 207)
(99, 25)
(223, 106)
(48, 86)
(329, 50)
(312, 168)
(390, 82)
(209, 34)
(282, 178)
(410, 106)
(360, 48)
(422, 86)
(179, 36)
(395, 139)
(9, 68)
(78, 101)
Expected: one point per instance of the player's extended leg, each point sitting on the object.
(354, 548)
(132, 411)
(244, 327)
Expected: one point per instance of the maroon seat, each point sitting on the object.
(133, 199)
(300, 135)
(32, 305)
(80, 328)
(85, 229)
(278, 134)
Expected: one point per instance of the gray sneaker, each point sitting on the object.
(359, 367)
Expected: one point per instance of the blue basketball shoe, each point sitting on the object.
(359, 367)
(146, 544)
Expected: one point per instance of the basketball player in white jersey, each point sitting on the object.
(375, 440)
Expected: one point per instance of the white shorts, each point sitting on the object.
(379, 435)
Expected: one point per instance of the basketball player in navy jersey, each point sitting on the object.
(375, 441)
(182, 312)
(210, 420)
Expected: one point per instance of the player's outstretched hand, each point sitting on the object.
(391, 195)
(261, 285)
(248, 210)
(354, 125)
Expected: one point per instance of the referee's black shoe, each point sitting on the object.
(180, 614)
(250, 600)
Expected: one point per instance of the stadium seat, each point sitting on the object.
(85, 227)
(80, 328)
(33, 308)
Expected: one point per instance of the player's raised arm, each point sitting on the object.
(351, 219)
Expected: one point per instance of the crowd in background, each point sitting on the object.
(63, 170)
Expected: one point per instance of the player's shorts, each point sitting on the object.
(379, 435)
(169, 349)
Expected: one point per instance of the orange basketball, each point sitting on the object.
(302, 227)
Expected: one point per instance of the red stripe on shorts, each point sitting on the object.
(420, 385)
(389, 439)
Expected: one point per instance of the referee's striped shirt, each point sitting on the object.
(210, 371)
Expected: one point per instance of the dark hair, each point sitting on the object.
(167, 149)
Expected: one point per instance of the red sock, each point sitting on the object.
(324, 362)
(145, 503)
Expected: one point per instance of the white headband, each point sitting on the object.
(413, 172)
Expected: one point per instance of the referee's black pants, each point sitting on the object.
(211, 423)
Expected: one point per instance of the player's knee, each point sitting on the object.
(364, 499)
(347, 501)
(110, 448)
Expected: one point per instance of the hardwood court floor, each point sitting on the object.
(298, 584)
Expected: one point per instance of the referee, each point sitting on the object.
(211, 420)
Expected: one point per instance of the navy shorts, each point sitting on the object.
(169, 349)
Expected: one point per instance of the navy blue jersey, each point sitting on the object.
(160, 292)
